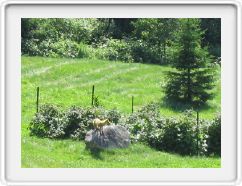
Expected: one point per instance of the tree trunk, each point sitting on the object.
(189, 95)
(164, 52)
(108, 26)
(160, 51)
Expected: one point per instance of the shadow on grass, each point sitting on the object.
(95, 153)
(179, 106)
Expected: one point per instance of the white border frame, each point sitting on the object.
(235, 3)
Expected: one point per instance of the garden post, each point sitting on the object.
(197, 133)
(37, 100)
(92, 95)
(132, 104)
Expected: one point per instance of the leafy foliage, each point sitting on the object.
(139, 40)
(55, 37)
(184, 136)
(175, 41)
(48, 122)
(214, 139)
(50, 48)
(142, 123)
(180, 135)
(142, 52)
(157, 34)
(85, 51)
(212, 35)
(114, 50)
(73, 123)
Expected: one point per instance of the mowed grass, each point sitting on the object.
(72, 154)
(68, 82)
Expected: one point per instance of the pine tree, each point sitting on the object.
(192, 79)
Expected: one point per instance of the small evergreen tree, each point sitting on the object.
(192, 79)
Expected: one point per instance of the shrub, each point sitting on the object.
(50, 48)
(113, 116)
(178, 135)
(63, 48)
(78, 121)
(115, 49)
(30, 47)
(181, 135)
(141, 124)
(73, 123)
(84, 51)
(141, 52)
(214, 136)
(73, 120)
(47, 122)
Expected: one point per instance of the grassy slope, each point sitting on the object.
(68, 82)
(71, 154)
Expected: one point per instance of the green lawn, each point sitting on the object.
(38, 152)
(69, 82)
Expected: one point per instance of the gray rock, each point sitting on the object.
(112, 136)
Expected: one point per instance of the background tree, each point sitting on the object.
(212, 35)
(193, 79)
(146, 40)
(156, 34)
(123, 27)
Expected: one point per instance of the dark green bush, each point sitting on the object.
(143, 53)
(179, 135)
(85, 51)
(143, 124)
(182, 135)
(30, 47)
(214, 136)
(73, 123)
(47, 122)
(113, 116)
(73, 120)
(78, 121)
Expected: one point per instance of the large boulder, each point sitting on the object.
(112, 136)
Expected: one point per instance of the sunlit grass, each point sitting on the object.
(39, 152)
(68, 82)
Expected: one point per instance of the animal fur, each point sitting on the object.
(98, 124)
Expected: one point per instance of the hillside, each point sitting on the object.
(67, 82)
